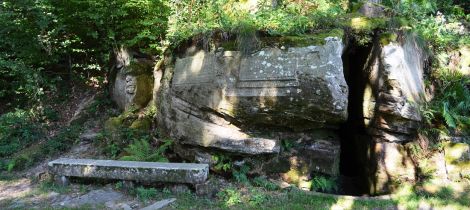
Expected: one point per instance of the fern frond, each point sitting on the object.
(449, 119)
(141, 150)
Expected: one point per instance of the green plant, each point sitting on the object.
(141, 150)
(112, 149)
(448, 113)
(240, 173)
(18, 130)
(190, 18)
(145, 194)
(287, 144)
(46, 42)
(230, 196)
(119, 185)
(62, 141)
(324, 184)
(256, 197)
(82, 189)
(265, 183)
(222, 162)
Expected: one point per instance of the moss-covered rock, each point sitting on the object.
(132, 81)
(387, 38)
(142, 124)
(362, 23)
(113, 124)
(144, 88)
(139, 67)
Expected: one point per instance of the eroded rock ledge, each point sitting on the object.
(221, 99)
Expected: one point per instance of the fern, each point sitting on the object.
(141, 150)
(448, 116)
(449, 111)
(324, 184)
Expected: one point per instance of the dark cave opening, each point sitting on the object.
(353, 134)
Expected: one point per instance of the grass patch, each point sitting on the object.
(50, 186)
(242, 197)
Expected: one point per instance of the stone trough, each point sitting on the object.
(188, 173)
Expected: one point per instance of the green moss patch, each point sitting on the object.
(137, 67)
(361, 23)
(387, 38)
(142, 124)
(144, 90)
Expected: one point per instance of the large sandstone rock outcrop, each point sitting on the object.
(217, 99)
(242, 103)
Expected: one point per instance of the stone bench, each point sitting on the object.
(187, 173)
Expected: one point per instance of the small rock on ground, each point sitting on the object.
(93, 198)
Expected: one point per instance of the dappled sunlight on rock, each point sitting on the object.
(217, 99)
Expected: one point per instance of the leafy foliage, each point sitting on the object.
(141, 150)
(43, 42)
(449, 111)
(322, 183)
(240, 173)
(18, 130)
(230, 196)
(222, 162)
(62, 141)
(189, 18)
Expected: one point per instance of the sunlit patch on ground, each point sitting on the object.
(14, 189)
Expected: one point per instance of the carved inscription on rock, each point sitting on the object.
(199, 69)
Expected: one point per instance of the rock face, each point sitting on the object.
(132, 82)
(220, 99)
(391, 98)
(130, 170)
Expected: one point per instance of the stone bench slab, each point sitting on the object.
(130, 170)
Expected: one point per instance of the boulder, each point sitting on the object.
(394, 90)
(391, 165)
(396, 87)
(131, 80)
(222, 99)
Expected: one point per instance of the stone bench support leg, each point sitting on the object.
(61, 180)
